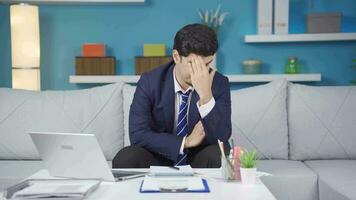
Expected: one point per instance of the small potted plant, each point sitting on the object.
(248, 170)
(214, 18)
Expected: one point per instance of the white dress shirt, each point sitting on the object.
(204, 110)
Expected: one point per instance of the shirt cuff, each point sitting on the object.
(181, 151)
(205, 109)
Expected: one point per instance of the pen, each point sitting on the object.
(221, 148)
(130, 177)
(174, 167)
(232, 144)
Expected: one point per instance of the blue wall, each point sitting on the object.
(125, 28)
(5, 54)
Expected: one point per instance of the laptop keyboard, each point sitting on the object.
(120, 174)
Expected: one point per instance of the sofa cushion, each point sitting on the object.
(93, 111)
(286, 179)
(12, 172)
(322, 122)
(259, 119)
(337, 178)
(128, 93)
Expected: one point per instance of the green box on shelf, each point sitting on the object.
(154, 50)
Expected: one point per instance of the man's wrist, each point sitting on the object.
(205, 99)
(205, 109)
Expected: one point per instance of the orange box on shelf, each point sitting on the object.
(93, 50)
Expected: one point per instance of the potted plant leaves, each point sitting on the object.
(213, 19)
(248, 159)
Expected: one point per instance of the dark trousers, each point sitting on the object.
(138, 157)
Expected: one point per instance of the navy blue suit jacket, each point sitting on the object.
(152, 114)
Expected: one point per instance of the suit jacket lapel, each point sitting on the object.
(168, 98)
(168, 104)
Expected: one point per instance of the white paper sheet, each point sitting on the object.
(184, 170)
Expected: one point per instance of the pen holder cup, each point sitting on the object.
(230, 169)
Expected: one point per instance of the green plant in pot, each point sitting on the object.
(213, 18)
(248, 160)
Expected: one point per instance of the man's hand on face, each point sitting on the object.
(196, 137)
(201, 79)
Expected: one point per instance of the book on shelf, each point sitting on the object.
(281, 17)
(264, 17)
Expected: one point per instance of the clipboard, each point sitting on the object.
(177, 190)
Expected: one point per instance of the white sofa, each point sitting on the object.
(306, 136)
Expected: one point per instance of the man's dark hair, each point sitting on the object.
(196, 38)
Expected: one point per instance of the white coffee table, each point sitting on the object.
(129, 190)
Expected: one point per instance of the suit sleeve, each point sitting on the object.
(217, 124)
(140, 119)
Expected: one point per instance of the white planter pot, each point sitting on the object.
(248, 175)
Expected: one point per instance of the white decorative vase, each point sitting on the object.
(248, 175)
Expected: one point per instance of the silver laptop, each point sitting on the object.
(72, 155)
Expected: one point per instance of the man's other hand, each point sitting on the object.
(196, 137)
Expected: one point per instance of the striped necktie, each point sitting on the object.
(182, 124)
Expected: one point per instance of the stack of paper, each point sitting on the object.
(60, 190)
(184, 170)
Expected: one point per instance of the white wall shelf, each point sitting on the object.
(232, 78)
(74, 1)
(310, 37)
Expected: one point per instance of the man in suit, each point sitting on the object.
(180, 109)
